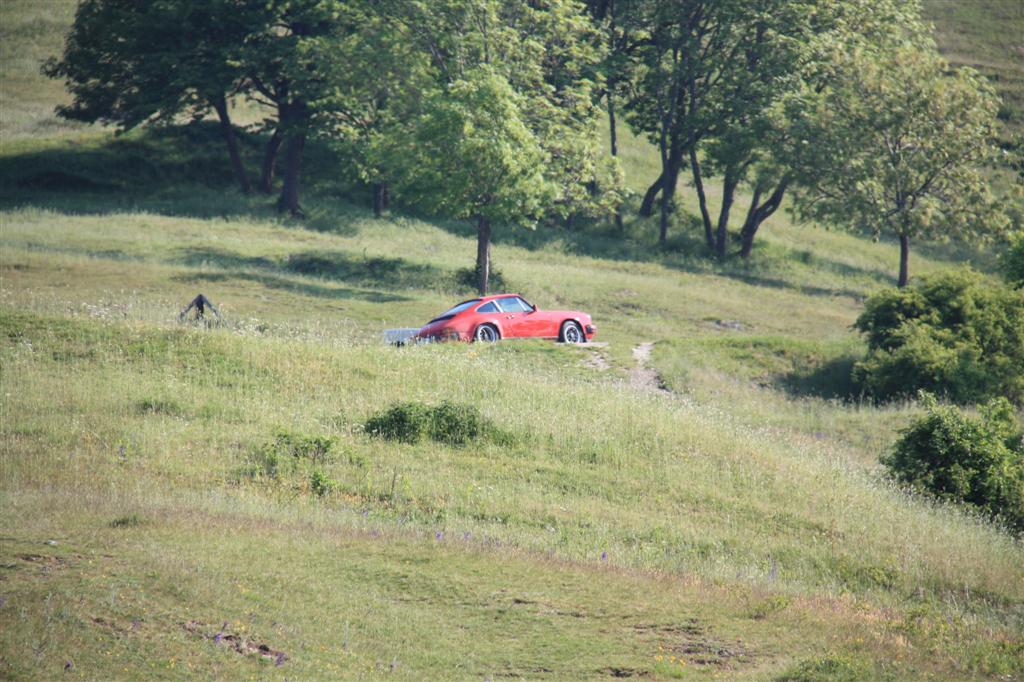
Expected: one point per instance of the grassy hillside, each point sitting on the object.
(715, 511)
(987, 35)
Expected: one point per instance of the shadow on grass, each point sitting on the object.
(180, 171)
(334, 266)
(831, 379)
(272, 281)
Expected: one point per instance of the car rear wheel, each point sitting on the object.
(571, 333)
(486, 333)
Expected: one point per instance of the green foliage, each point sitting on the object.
(448, 422)
(955, 335)
(976, 461)
(287, 451)
(894, 145)
(320, 485)
(1011, 261)
(832, 668)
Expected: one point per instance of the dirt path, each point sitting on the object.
(642, 377)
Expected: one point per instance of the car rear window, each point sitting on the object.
(459, 308)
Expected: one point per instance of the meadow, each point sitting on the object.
(728, 521)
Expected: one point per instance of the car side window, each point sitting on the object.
(512, 305)
(488, 307)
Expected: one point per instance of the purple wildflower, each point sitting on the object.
(280, 659)
(604, 556)
(217, 637)
(439, 535)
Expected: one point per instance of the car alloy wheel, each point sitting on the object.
(486, 333)
(571, 333)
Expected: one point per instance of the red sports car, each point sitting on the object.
(507, 316)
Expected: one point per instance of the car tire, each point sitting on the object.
(486, 333)
(571, 333)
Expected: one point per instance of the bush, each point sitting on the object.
(451, 423)
(286, 450)
(954, 335)
(975, 461)
(320, 484)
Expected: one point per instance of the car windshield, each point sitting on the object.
(452, 312)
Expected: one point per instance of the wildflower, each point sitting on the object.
(604, 556)
(439, 535)
(659, 658)
(279, 659)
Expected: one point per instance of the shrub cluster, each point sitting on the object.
(954, 335)
(452, 423)
(976, 461)
(287, 450)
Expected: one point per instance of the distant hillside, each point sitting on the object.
(989, 36)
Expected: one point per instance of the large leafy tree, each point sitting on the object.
(129, 63)
(709, 75)
(506, 133)
(473, 157)
(894, 145)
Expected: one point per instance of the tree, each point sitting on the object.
(893, 145)
(506, 133)
(731, 66)
(132, 64)
(474, 158)
(687, 52)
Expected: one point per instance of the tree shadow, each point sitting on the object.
(831, 380)
(178, 171)
(272, 281)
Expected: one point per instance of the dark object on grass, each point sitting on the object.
(200, 303)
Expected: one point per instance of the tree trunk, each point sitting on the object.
(758, 214)
(289, 201)
(270, 161)
(380, 198)
(904, 260)
(667, 195)
(647, 205)
(220, 105)
(483, 254)
(613, 135)
(728, 193)
(702, 199)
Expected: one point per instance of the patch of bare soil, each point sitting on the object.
(642, 377)
(239, 643)
(691, 641)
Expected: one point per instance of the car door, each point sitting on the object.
(513, 311)
(532, 322)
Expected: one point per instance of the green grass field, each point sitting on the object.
(732, 524)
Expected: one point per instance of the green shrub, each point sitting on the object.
(286, 450)
(1011, 261)
(452, 423)
(954, 335)
(320, 484)
(975, 461)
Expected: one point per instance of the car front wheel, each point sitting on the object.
(571, 333)
(486, 333)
